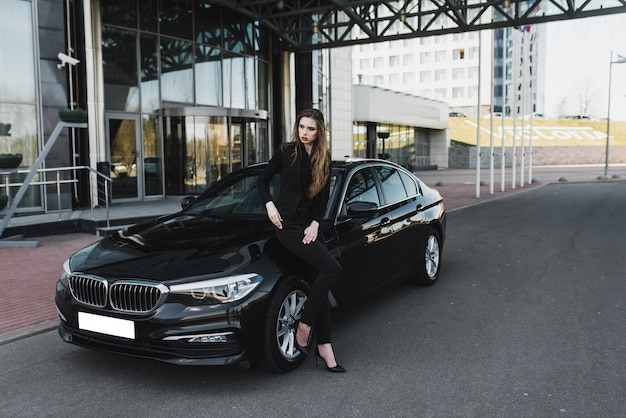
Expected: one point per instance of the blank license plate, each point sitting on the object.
(106, 325)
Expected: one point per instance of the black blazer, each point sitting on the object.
(292, 193)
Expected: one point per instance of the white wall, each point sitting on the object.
(341, 102)
(373, 104)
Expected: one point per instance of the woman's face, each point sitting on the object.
(307, 130)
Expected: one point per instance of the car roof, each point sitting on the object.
(349, 163)
(345, 164)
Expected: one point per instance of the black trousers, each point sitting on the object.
(316, 312)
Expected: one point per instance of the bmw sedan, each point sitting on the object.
(211, 285)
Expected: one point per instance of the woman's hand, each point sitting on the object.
(310, 233)
(274, 215)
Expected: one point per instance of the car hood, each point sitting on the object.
(175, 247)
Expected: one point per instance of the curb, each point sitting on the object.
(20, 335)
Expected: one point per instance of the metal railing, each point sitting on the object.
(97, 182)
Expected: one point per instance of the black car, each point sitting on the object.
(211, 285)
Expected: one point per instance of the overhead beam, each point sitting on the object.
(306, 25)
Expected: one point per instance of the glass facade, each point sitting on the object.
(211, 147)
(405, 145)
(182, 54)
(19, 98)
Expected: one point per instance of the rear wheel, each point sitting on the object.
(430, 256)
(285, 308)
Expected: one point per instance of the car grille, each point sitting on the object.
(134, 296)
(131, 296)
(89, 290)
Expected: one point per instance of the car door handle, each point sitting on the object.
(418, 207)
(385, 221)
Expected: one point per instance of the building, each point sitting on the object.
(444, 67)
(177, 93)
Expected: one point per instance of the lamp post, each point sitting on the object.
(619, 60)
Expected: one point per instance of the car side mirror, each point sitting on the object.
(186, 201)
(361, 209)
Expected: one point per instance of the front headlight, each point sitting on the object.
(62, 283)
(222, 290)
(67, 272)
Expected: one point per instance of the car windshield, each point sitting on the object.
(235, 196)
(238, 196)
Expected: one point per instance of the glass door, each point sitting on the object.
(201, 145)
(236, 141)
(124, 141)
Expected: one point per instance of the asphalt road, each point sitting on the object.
(527, 320)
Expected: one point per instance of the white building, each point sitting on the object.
(457, 68)
(450, 68)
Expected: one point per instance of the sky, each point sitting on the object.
(578, 56)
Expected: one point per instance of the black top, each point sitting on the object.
(295, 178)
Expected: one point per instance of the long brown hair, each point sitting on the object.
(320, 157)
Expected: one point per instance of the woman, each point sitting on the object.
(304, 167)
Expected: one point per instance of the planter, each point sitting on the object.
(10, 160)
(73, 115)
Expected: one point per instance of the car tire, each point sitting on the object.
(430, 259)
(285, 308)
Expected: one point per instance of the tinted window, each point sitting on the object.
(362, 188)
(393, 188)
(409, 184)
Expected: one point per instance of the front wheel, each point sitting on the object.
(430, 259)
(279, 350)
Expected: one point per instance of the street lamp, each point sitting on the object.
(619, 60)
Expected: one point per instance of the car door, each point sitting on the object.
(402, 226)
(359, 247)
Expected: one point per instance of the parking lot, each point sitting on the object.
(526, 320)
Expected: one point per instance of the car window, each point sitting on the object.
(409, 184)
(361, 188)
(392, 186)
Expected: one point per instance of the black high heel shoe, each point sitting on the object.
(303, 350)
(336, 369)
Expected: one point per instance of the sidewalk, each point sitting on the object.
(29, 275)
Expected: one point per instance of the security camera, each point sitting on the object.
(66, 59)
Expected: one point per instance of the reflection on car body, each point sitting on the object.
(211, 285)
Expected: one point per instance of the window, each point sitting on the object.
(409, 184)
(119, 61)
(361, 188)
(458, 73)
(392, 186)
(394, 60)
(440, 75)
(176, 70)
